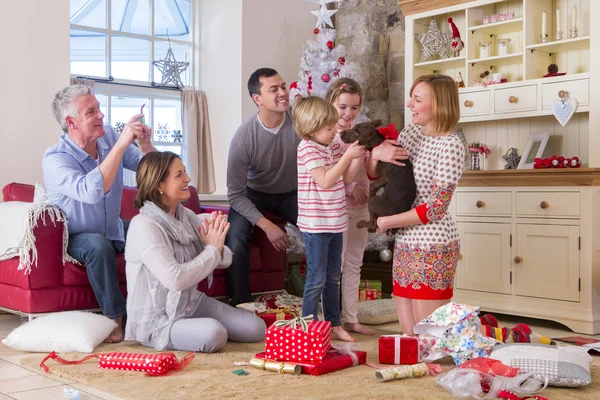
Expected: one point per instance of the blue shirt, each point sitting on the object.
(75, 185)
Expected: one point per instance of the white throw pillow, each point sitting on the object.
(62, 332)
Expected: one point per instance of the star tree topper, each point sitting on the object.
(324, 15)
(171, 69)
(433, 42)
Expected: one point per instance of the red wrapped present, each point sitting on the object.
(151, 364)
(334, 360)
(399, 349)
(369, 294)
(298, 339)
(278, 314)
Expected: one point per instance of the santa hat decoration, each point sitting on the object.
(455, 32)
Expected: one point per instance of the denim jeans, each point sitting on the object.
(284, 205)
(99, 255)
(324, 266)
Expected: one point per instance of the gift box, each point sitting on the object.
(299, 339)
(399, 349)
(334, 360)
(272, 315)
(369, 290)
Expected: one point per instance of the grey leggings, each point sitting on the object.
(212, 324)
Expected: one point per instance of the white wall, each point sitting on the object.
(34, 66)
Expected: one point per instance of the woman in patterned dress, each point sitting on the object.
(427, 245)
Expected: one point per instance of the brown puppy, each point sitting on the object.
(394, 190)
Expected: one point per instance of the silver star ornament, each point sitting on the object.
(171, 69)
(433, 42)
(324, 16)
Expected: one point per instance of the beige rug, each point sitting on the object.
(209, 376)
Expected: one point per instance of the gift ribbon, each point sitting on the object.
(506, 394)
(483, 149)
(280, 312)
(295, 323)
(388, 132)
(348, 349)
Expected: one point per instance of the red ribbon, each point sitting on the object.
(505, 394)
(483, 149)
(388, 132)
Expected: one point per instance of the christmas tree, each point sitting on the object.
(323, 61)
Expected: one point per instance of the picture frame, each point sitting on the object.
(534, 149)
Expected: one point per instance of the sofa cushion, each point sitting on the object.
(18, 192)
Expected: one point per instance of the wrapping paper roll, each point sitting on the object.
(406, 371)
(275, 366)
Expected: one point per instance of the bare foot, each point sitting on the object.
(116, 335)
(358, 328)
(339, 333)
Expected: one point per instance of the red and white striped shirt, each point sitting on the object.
(320, 210)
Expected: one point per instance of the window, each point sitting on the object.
(120, 39)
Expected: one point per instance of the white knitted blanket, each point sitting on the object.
(16, 236)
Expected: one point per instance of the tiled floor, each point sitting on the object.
(17, 382)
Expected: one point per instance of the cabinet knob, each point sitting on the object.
(468, 103)
(513, 99)
(460, 256)
(562, 94)
(518, 260)
(544, 205)
(480, 204)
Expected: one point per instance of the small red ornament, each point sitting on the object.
(316, 31)
(325, 78)
(330, 45)
(294, 85)
(342, 60)
(336, 73)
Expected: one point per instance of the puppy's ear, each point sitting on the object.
(376, 123)
(374, 139)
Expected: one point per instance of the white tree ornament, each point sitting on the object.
(324, 16)
(171, 69)
(433, 42)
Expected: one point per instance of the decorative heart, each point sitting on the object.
(563, 110)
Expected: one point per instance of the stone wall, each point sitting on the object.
(373, 33)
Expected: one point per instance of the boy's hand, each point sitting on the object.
(360, 195)
(355, 150)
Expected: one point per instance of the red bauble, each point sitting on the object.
(325, 78)
(342, 60)
(330, 45)
(336, 73)
(316, 31)
(294, 85)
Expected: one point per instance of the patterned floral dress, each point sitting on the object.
(425, 256)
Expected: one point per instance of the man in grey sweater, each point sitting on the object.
(261, 176)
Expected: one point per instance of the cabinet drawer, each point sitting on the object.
(475, 103)
(548, 204)
(578, 89)
(515, 99)
(483, 203)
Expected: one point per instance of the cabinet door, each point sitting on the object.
(484, 264)
(547, 261)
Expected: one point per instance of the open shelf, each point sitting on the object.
(579, 43)
(498, 61)
(445, 63)
(499, 28)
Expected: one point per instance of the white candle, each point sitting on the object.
(543, 23)
(574, 23)
(558, 20)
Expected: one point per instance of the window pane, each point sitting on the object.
(172, 17)
(181, 53)
(174, 149)
(130, 58)
(131, 16)
(167, 117)
(88, 53)
(89, 13)
(123, 108)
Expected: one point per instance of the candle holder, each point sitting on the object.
(574, 33)
(544, 38)
(559, 35)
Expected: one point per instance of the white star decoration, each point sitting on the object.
(433, 42)
(324, 16)
(171, 69)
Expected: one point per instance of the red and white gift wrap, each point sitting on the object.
(151, 364)
(399, 349)
(368, 294)
(299, 339)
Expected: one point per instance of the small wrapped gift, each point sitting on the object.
(298, 339)
(334, 360)
(277, 314)
(369, 290)
(399, 349)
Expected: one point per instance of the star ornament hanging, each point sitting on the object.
(433, 42)
(171, 69)
(324, 16)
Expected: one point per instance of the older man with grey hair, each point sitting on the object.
(83, 175)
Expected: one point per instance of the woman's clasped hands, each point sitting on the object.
(214, 230)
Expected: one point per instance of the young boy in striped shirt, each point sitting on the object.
(322, 173)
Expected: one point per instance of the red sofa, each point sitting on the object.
(52, 286)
